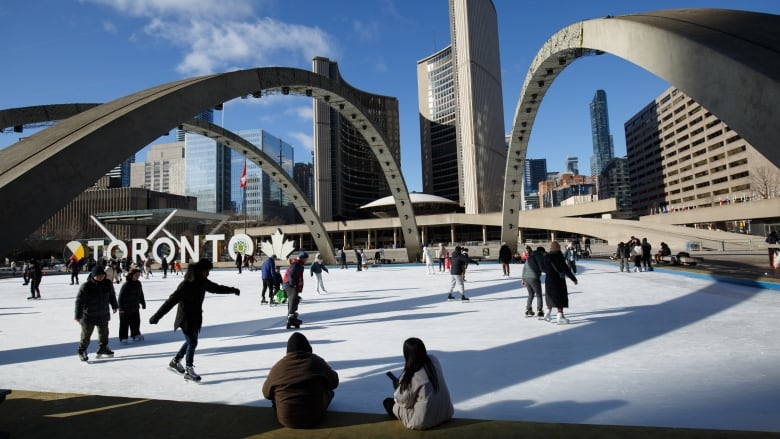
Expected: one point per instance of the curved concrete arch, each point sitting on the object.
(64, 159)
(279, 175)
(700, 51)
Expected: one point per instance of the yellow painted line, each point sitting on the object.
(84, 412)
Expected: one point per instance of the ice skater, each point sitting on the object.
(131, 298)
(317, 267)
(94, 298)
(189, 297)
(293, 285)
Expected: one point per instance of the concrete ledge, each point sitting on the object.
(46, 415)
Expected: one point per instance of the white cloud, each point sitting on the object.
(303, 112)
(179, 8)
(302, 140)
(365, 31)
(110, 27)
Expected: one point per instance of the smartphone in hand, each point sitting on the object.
(393, 378)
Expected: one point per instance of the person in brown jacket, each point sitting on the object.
(300, 385)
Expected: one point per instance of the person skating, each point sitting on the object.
(35, 276)
(505, 258)
(131, 298)
(300, 385)
(317, 267)
(267, 274)
(458, 263)
(293, 286)
(556, 293)
(189, 296)
(94, 298)
(532, 280)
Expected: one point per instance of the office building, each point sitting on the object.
(572, 165)
(303, 174)
(347, 174)
(461, 110)
(534, 171)
(163, 170)
(603, 147)
(681, 156)
(614, 182)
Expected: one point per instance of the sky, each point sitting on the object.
(670, 351)
(99, 50)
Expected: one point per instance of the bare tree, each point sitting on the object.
(765, 182)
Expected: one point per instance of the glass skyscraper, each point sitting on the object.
(603, 148)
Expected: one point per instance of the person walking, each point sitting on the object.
(177, 267)
(458, 263)
(239, 262)
(343, 258)
(421, 399)
(317, 267)
(505, 258)
(623, 253)
(570, 255)
(293, 286)
(131, 298)
(93, 300)
(74, 266)
(636, 253)
(532, 280)
(301, 385)
(556, 293)
(189, 296)
(35, 277)
(646, 252)
(358, 260)
(267, 274)
(443, 256)
(148, 267)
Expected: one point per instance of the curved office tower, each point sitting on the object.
(462, 111)
(346, 172)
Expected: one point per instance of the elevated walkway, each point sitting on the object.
(64, 416)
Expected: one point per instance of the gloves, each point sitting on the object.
(236, 291)
(154, 319)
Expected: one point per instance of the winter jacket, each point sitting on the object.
(131, 296)
(189, 296)
(317, 267)
(504, 254)
(301, 387)
(93, 301)
(293, 277)
(533, 266)
(555, 282)
(458, 262)
(268, 269)
(419, 407)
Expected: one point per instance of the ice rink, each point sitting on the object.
(648, 349)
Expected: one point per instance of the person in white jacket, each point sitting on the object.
(421, 399)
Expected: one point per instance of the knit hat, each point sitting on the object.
(298, 343)
(303, 255)
(98, 270)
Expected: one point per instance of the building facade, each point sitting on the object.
(163, 170)
(681, 156)
(534, 171)
(614, 182)
(603, 146)
(347, 174)
(303, 174)
(572, 165)
(461, 111)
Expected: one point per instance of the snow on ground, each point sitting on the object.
(653, 349)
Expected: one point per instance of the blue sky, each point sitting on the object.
(60, 51)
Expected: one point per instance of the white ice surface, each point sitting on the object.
(650, 349)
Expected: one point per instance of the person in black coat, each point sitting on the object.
(189, 297)
(556, 293)
(92, 309)
(458, 264)
(131, 298)
(35, 277)
(505, 258)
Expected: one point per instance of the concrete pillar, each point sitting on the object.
(484, 234)
(452, 234)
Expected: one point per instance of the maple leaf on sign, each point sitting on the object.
(278, 246)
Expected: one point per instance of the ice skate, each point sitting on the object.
(463, 299)
(529, 312)
(175, 365)
(449, 297)
(263, 301)
(105, 352)
(124, 341)
(561, 320)
(83, 355)
(547, 316)
(540, 314)
(293, 321)
(138, 337)
(190, 375)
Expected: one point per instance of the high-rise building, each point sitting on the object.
(347, 174)
(462, 112)
(119, 176)
(163, 170)
(681, 156)
(303, 174)
(207, 170)
(614, 182)
(264, 199)
(572, 165)
(603, 147)
(534, 171)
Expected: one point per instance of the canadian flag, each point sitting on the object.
(243, 177)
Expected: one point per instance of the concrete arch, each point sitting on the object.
(700, 51)
(64, 159)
